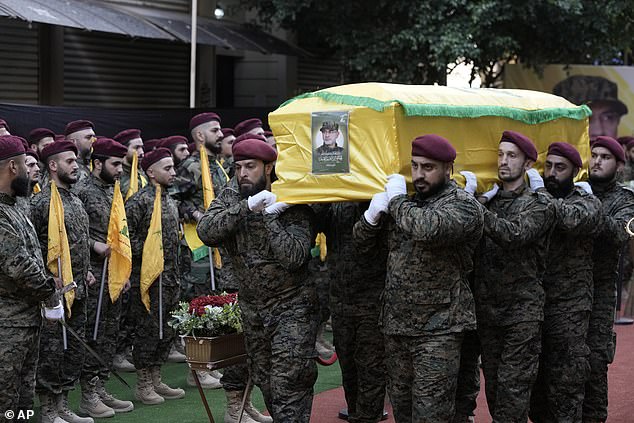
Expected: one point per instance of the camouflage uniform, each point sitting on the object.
(24, 205)
(617, 208)
(97, 198)
(427, 304)
(279, 308)
(149, 350)
(124, 180)
(83, 172)
(510, 264)
(356, 284)
(558, 393)
(58, 370)
(23, 285)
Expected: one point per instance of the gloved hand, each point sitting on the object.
(261, 200)
(395, 186)
(276, 208)
(584, 186)
(535, 181)
(488, 196)
(377, 206)
(54, 313)
(471, 182)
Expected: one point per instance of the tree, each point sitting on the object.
(414, 41)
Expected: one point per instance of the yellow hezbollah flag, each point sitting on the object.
(152, 258)
(120, 261)
(58, 244)
(36, 188)
(208, 194)
(134, 177)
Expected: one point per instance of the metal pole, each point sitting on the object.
(211, 269)
(161, 306)
(59, 275)
(192, 61)
(100, 301)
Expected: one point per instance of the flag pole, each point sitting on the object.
(211, 269)
(59, 275)
(161, 306)
(99, 303)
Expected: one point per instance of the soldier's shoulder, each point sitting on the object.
(626, 190)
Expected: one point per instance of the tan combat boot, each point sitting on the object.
(48, 409)
(66, 413)
(162, 389)
(207, 381)
(144, 391)
(254, 413)
(90, 404)
(232, 413)
(119, 406)
(121, 364)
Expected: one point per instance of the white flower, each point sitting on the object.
(213, 310)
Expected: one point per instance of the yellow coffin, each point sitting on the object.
(379, 121)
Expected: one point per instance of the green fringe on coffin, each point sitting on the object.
(531, 117)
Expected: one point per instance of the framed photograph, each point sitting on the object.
(330, 142)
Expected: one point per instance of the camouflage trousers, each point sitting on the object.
(149, 350)
(106, 342)
(125, 336)
(281, 355)
(468, 376)
(360, 348)
(234, 378)
(422, 376)
(58, 369)
(602, 343)
(19, 349)
(510, 361)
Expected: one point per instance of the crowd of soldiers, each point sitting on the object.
(423, 289)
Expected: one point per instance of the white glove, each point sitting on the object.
(491, 193)
(276, 208)
(584, 186)
(377, 206)
(261, 200)
(471, 182)
(395, 186)
(535, 180)
(55, 313)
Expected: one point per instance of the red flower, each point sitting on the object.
(197, 305)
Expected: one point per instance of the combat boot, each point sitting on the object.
(119, 406)
(232, 413)
(175, 356)
(324, 348)
(66, 413)
(90, 404)
(207, 381)
(144, 391)
(48, 409)
(253, 412)
(120, 363)
(161, 388)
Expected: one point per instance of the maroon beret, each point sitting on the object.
(78, 125)
(246, 125)
(612, 145)
(434, 147)
(154, 156)
(253, 148)
(32, 153)
(173, 140)
(522, 142)
(625, 140)
(56, 148)
(60, 137)
(10, 146)
(227, 131)
(203, 118)
(566, 150)
(5, 124)
(38, 133)
(151, 144)
(24, 143)
(126, 135)
(249, 137)
(107, 147)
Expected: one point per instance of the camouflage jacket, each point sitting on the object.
(617, 208)
(511, 258)
(356, 279)
(138, 212)
(24, 205)
(97, 198)
(83, 172)
(24, 282)
(430, 243)
(568, 276)
(269, 253)
(77, 229)
(124, 180)
(189, 186)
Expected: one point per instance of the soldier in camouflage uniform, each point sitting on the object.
(131, 139)
(24, 283)
(32, 163)
(96, 193)
(558, 393)
(269, 244)
(427, 304)
(150, 352)
(82, 134)
(617, 208)
(510, 264)
(39, 138)
(356, 283)
(59, 369)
